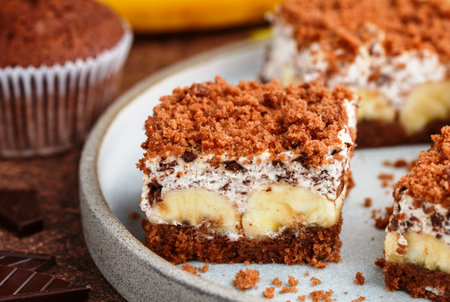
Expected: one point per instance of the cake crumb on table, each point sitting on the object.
(386, 179)
(367, 202)
(246, 262)
(315, 281)
(246, 279)
(204, 268)
(301, 298)
(269, 293)
(320, 295)
(134, 215)
(292, 281)
(359, 279)
(306, 273)
(286, 289)
(190, 269)
(382, 220)
(346, 293)
(277, 282)
(359, 299)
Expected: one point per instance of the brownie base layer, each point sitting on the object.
(415, 280)
(180, 243)
(379, 134)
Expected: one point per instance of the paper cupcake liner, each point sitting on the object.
(46, 110)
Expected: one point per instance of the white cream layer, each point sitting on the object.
(422, 223)
(405, 71)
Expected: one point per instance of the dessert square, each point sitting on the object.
(248, 172)
(417, 244)
(393, 54)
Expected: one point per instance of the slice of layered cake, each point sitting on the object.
(248, 172)
(417, 245)
(394, 54)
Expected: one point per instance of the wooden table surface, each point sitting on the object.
(56, 178)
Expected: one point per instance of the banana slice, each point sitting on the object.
(423, 250)
(374, 106)
(273, 207)
(195, 207)
(426, 103)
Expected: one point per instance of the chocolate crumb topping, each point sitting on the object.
(429, 180)
(235, 120)
(348, 25)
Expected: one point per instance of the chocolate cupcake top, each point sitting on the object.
(49, 32)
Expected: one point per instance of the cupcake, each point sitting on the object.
(60, 67)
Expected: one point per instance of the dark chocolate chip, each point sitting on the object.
(34, 262)
(19, 212)
(278, 163)
(167, 166)
(303, 160)
(18, 284)
(154, 194)
(232, 165)
(189, 156)
(225, 187)
(436, 220)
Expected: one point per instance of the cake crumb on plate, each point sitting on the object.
(246, 279)
(359, 279)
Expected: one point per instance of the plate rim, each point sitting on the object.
(95, 211)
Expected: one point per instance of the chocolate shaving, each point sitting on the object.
(154, 195)
(232, 165)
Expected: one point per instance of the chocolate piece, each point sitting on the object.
(19, 212)
(232, 165)
(34, 262)
(189, 156)
(24, 285)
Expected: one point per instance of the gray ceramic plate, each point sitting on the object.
(110, 188)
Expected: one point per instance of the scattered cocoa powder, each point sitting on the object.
(359, 279)
(269, 292)
(246, 279)
(301, 298)
(315, 281)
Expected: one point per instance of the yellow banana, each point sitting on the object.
(179, 15)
